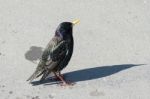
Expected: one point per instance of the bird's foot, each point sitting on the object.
(62, 79)
(67, 83)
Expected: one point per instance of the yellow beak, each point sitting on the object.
(76, 21)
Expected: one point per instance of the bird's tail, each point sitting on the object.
(45, 74)
(36, 74)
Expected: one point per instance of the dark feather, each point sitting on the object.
(56, 54)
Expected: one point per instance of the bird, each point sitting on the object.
(57, 53)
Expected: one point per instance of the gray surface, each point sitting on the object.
(111, 56)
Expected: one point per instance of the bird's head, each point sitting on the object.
(64, 29)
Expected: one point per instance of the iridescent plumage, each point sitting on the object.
(57, 53)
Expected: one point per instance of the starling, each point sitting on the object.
(57, 53)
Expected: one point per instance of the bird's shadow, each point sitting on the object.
(90, 73)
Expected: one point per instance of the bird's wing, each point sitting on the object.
(57, 54)
(53, 53)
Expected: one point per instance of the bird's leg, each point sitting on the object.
(64, 82)
(61, 75)
(57, 78)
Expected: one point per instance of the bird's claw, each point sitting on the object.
(67, 83)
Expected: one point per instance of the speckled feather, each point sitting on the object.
(55, 57)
